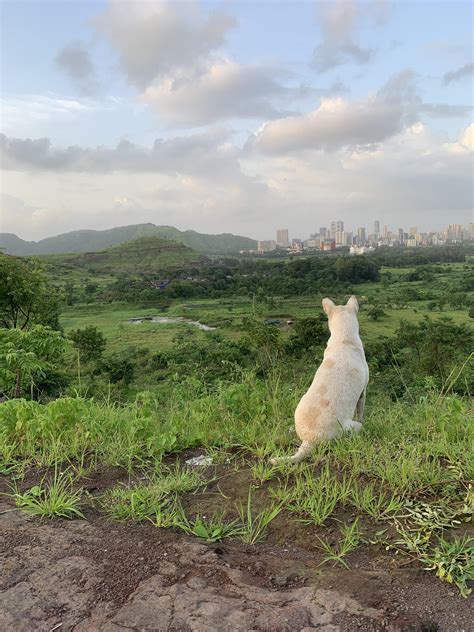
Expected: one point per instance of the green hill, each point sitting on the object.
(93, 240)
(146, 254)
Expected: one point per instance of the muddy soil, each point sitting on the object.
(95, 574)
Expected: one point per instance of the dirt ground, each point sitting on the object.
(95, 574)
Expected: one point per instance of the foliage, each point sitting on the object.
(53, 499)
(308, 333)
(453, 562)
(26, 299)
(28, 356)
(89, 341)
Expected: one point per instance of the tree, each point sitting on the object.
(26, 356)
(307, 334)
(26, 299)
(90, 342)
(375, 313)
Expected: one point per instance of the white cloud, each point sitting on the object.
(154, 39)
(225, 90)
(339, 20)
(207, 154)
(459, 73)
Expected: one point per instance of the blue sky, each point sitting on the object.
(238, 115)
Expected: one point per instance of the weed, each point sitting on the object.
(213, 529)
(254, 527)
(350, 539)
(263, 471)
(54, 499)
(374, 501)
(453, 562)
(315, 496)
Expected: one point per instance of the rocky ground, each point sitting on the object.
(88, 575)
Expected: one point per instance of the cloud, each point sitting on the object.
(338, 21)
(410, 177)
(225, 90)
(206, 155)
(445, 110)
(337, 123)
(76, 63)
(154, 39)
(460, 73)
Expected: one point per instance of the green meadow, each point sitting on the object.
(142, 398)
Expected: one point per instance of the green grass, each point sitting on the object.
(409, 468)
(51, 499)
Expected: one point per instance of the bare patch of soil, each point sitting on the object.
(95, 574)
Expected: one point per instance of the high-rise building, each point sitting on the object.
(282, 238)
(323, 232)
(376, 228)
(337, 227)
(413, 230)
(266, 246)
(400, 235)
(361, 235)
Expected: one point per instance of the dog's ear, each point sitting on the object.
(327, 305)
(353, 304)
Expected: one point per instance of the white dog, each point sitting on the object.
(327, 409)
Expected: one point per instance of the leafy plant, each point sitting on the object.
(213, 529)
(453, 562)
(53, 499)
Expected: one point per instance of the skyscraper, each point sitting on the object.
(377, 228)
(323, 231)
(337, 227)
(361, 235)
(282, 237)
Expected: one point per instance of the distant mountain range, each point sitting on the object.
(79, 241)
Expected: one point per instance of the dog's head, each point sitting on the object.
(342, 318)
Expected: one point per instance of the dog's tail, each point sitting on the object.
(304, 451)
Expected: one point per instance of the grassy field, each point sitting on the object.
(402, 485)
(226, 315)
(397, 494)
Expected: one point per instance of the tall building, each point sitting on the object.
(376, 228)
(282, 238)
(337, 227)
(400, 235)
(266, 246)
(361, 235)
(323, 232)
(413, 230)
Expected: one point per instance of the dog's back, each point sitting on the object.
(338, 389)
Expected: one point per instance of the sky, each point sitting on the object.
(235, 116)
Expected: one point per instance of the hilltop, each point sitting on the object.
(79, 241)
(145, 254)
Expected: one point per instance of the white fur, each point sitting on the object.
(337, 392)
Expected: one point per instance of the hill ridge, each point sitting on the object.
(92, 240)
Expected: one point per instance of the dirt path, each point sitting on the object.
(96, 575)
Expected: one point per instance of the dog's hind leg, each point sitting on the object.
(304, 451)
(351, 426)
(360, 407)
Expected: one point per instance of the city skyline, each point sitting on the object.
(337, 235)
(232, 116)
